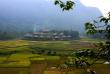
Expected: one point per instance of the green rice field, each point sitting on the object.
(26, 57)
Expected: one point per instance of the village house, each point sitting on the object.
(47, 35)
(54, 34)
(28, 35)
(61, 33)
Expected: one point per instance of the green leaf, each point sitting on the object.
(56, 2)
(100, 31)
(86, 24)
(107, 42)
(63, 9)
(103, 19)
(106, 21)
(101, 44)
(87, 63)
(100, 16)
(62, 5)
(95, 21)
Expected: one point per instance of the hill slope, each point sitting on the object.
(25, 15)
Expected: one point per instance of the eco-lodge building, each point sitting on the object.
(47, 35)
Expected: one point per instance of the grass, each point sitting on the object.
(37, 67)
(52, 57)
(12, 70)
(97, 62)
(54, 63)
(21, 57)
(17, 60)
(15, 64)
(61, 47)
(36, 59)
(101, 68)
(3, 58)
(51, 72)
(20, 61)
(57, 72)
(24, 72)
(12, 43)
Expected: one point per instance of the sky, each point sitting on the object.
(103, 5)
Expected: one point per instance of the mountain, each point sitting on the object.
(25, 15)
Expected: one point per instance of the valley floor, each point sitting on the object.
(27, 57)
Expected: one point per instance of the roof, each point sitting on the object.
(41, 36)
(36, 33)
(62, 33)
(64, 36)
(28, 35)
(45, 30)
(69, 36)
(56, 37)
(41, 33)
(48, 37)
(36, 36)
(54, 33)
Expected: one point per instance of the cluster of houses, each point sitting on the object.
(47, 35)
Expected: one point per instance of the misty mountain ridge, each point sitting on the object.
(26, 15)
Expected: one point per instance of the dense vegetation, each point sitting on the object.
(7, 35)
(79, 61)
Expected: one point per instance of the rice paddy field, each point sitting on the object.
(26, 57)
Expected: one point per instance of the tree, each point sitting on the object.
(42, 51)
(54, 53)
(49, 53)
(65, 6)
(92, 28)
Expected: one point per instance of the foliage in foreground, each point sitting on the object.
(92, 28)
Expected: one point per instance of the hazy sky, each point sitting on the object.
(103, 5)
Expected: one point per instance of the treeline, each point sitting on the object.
(6, 35)
(9, 52)
(98, 36)
(95, 36)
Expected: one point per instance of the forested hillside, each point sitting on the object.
(34, 15)
(7, 35)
